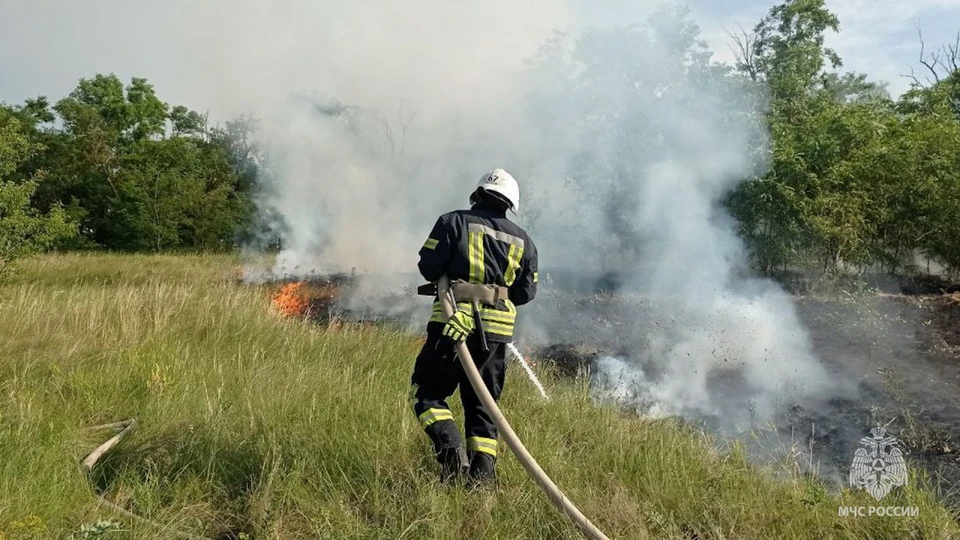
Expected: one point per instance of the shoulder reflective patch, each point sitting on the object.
(536, 277)
(498, 235)
(431, 243)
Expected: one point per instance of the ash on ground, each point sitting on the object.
(896, 357)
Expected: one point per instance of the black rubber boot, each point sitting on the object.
(448, 448)
(483, 471)
(453, 464)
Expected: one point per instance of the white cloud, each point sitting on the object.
(877, 37)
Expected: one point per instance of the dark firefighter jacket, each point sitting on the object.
(481, 245)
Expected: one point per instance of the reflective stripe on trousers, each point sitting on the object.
(482, 444)
(434, 415)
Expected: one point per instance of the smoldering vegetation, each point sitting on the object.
(624, 161)
(891, 354)
(892, 357)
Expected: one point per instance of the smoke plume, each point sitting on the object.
(661, 138)
(625, 139)
(376, 117)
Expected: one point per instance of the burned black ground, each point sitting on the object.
(897, 351)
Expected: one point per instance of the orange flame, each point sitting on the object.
(290, 301)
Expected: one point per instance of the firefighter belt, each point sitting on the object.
(487, 294)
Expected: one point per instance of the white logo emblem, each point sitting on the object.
(879, 465)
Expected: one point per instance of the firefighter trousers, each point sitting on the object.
(436, 375)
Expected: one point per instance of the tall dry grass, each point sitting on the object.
(254, 426)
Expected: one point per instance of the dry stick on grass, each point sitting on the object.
(93, 457)
(98, 452)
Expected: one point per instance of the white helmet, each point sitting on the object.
(501, 182)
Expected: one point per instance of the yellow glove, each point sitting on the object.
(458, 327)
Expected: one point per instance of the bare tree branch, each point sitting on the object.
(913, 77)
(928, 61)
(939, 64)
(404, 125)
(744, 48)
(387, 131)
(952, 54)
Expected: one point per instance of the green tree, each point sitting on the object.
(138, 174)
(818, 201)
(790, 50)
(930, 199)
(23, 230)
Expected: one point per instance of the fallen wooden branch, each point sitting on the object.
(98, 452)
(93, 457)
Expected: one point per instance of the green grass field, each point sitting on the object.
(256, 426)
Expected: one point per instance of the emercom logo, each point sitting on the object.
(893, 511)
(878, 467)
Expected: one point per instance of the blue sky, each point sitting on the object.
(878, 37)
(221, 55)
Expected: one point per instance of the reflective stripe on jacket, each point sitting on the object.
(481, 245)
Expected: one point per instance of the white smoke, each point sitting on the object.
(378, 116)
(733, 358)
(625, 140)
(659, 139)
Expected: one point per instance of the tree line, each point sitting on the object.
(856, 180)
(111, 166)
(852, 179)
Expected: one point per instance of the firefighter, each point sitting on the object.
(492, 264)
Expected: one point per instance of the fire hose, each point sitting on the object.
(556, 496)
